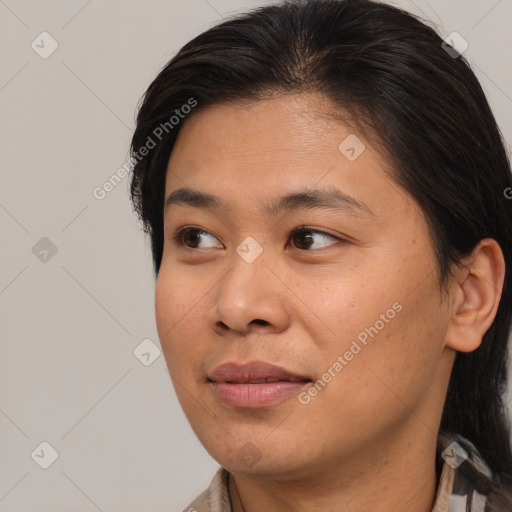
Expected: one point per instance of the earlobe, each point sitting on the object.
(476, 295)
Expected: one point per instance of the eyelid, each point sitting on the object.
(311, 229)
(342, 237)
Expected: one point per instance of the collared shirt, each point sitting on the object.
(458, 490)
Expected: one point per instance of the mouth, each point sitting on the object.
(255, 385)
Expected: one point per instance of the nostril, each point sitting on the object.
(257, 321)
(221, 326)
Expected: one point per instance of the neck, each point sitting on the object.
(396, 476)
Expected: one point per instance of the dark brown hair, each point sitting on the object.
(391, 72)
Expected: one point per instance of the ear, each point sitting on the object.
(476, 293)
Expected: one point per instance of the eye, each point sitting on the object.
(196, 238)
(307, 239)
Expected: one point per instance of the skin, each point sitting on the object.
(367, 440)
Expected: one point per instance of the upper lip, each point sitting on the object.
(254, 372)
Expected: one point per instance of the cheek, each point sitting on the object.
(168, 306)
(180, 311)
(393, 353)
(388, 329)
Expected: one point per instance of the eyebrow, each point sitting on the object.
(330, 198)
(189, 197)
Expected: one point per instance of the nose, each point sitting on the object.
(249, 299)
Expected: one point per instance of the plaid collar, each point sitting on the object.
(465, 477)
(463, 484)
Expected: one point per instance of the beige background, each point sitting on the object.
(70, 323)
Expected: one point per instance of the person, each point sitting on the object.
(324, 187)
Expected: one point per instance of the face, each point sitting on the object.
(288, 243)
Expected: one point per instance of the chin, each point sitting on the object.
(251, 456)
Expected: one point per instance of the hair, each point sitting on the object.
(392, 73)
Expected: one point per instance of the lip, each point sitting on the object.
(254, 385)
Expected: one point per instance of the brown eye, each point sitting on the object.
(195, 238)
(303, 240)
(310, 239)
(192, 238)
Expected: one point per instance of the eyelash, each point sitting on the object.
(181, 232)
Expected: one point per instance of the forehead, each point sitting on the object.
(290, 126)
(264, 149)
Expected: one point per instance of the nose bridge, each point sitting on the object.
(239, 287)
(248, 298)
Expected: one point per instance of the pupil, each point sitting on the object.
(304, 240)
(192, 238)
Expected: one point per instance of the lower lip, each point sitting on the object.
(254, 396)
